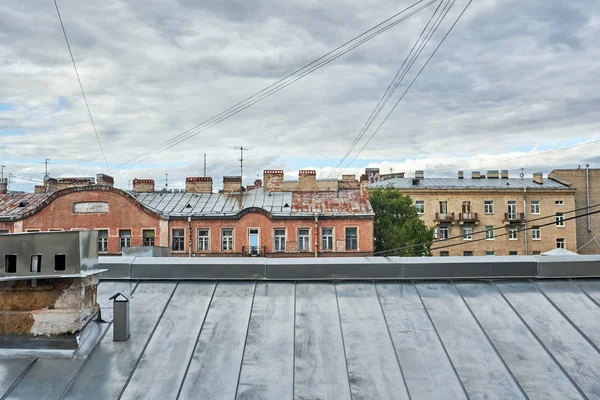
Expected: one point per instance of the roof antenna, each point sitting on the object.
(204, 163)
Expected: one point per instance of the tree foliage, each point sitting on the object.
(397, 224)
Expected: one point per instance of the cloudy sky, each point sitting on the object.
(513, 81)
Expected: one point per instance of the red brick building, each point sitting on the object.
(307, 217)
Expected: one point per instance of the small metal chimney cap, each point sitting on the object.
(121, 296)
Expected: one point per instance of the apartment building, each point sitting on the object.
(486, 214)
(586, 182)
(304, 217)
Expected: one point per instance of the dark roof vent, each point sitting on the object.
(286, 205)
(22, 204)
(188, 206)
(415, 182)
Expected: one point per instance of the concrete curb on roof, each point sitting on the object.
(354, 268)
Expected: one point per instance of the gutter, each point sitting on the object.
(587, 188)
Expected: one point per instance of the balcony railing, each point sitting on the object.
(468, 217)
(444, 217)
(514, 217)
(254, 251)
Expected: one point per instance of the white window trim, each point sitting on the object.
(298, 239)
(248, 237)
(357, 238)
(559, 203)
(539, 234)
(285, 237)
(484, 208)
(493, 234)
(119, 236)
(333, 248)
(184, 240)
(57, 230)
(418, 213)
(438, 233)
(232, 239)
(564, 242)
(148, 229)
(562, 221)
(464, 234)
(516, 234)
(107, 237)
(198, 240)
(538, 207)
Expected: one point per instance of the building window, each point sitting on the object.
(125, 239)
(203, 239)
(535, 206)
(467, 253)
(4, 231)
(327, 239)
(178, 240)
(537, 252)
(279, 235)
(148, 237)
(513, 233)
(102, 241)
(536, 233)
(560, 219)
(490, 253)
(560, 243)
(488, 207)
(443, 233)
(351, 239)
(513, 253)
(227, 239)
(36, 230)
(443, 207)
(559, 202)
(467, 232)
(512, 210)
(489, 232)
(420, 206)
(303, 239)
(444, 253)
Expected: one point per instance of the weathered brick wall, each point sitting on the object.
(199, 184)
(232, 183)
(143, 185)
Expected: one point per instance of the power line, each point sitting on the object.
(478, 232)
(411, 83)
(280, 84)
(80, 85)
(393, 84)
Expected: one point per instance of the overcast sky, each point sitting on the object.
(513, 79)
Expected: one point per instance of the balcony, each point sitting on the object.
(513, 218)
(444, 217)
(254, 251)
(468, 217)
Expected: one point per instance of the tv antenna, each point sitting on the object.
(241, 149)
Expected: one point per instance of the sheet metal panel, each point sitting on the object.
(591, 287)
(466, 267)
(537, 373)
(165, 200)
(162, 367)
(320, 369)
(373, 368)
(10, 370)
(478, 365)
(180, 268)
(332, 268)
(576, 355)
(427, 369)
(176, 201)
(579, 308)
(569, 266)
(118, 267)
(268, 364)
(110, 365)
(215, 364)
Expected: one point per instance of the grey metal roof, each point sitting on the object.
(368, 340)
(468, 183)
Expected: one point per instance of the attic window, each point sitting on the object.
(21, 204)
(286, 205)
(415, 182)
(188, 206)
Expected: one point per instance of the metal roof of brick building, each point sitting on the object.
(469, 183)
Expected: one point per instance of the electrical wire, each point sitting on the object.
(476, 233)
(395, 81)
(588, 242)
(410, 85)
(80, 84)
(277, 86)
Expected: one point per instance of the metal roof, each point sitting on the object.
(369, 340)
(280, 204)
(468, 183)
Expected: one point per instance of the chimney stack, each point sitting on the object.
(272, 179)
(364, 186)
(3, 185)
(199, 184)
(105, 180)
(232, 183)
(538, 177)
(419, 174)
(143, 185)
(372, 174)
(257, 183)
(504, 174)
(308, 179)
(475, 175)
(493, 174)
(461, 175)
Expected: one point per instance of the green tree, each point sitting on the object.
(398, 225)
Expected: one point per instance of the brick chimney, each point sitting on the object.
(199, 184)
(272, 179)
(504, 174)
(475, 175)
(364, 186)
(538, 177)
(3, 186)
(105, 180)
(38, 189)
(143, 185)
(257, 183)
(308, 179)
(461, 175)
(232, 183)
(372, 174)
(419, 174)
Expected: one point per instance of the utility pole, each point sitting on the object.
(204, 163)
(241, 149)
(46, 162)
(167, 182)
(2, 172)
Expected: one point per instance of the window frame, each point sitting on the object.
(346, 238)
(510, 253)
(468, 255)
(153, 237)
(420, 207)
(445, 203)
(230, 242)
(103, 237)
(465, 235)
(128, 239)
(332, 237)
(182, 241)
(560, 220)
(488, 210)
(489, 233)
(512, 230)
(563, 241)
(538, 236)
(208, 237)
(559, 203)
(444, 253)
(281, 249)
(490, 253)
(446, 229)
(307, 236)
(535, 203)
